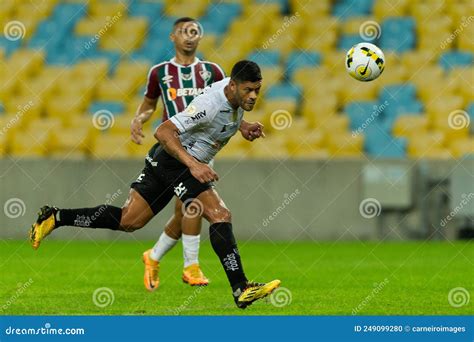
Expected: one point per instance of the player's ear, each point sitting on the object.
(172, 36)
(232, 85)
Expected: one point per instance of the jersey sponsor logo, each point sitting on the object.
(173, 93)
(205, 75)
(196, 117)
(167, 79)
(180, 190)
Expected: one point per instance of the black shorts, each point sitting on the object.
(162, 177)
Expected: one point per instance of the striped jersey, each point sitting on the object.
(179, 84)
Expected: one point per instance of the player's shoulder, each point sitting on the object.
(212, 64)
(157, 67)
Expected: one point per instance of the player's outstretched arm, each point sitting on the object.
(143, 114)
(251, 130)
(167, 134)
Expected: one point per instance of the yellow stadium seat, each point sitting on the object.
(121, 44)
(26, 60)
(360, 91)
(272, 147)
(338, 123)
(452, 130)
(74, 141)
(45, 124)
(278, 114)
(355, 24)
(324, 41)
(309, 8)
(140, 151)
(193, 9)
(30, 143)
(61, 106)
(122, 124)
(139, 68)
(113, 89)
(461, 147)
(138, 26)
(464, 79)
(307, 76)
(91, 27)
(420, 144)
(397, 74)
(96, 69)
(304, 140)
(3, 145)
(108, 8)
(25, 107)
(419, 9)
(388, 8)
(316, 108)
(109, 146)
(407, 125)
(345, 144)
(413, 60)
(442, 107)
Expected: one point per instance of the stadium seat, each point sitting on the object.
(453, 59)
(300, 59)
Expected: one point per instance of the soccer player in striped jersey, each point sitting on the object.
(177, 81)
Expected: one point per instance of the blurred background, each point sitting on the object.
(343, 160)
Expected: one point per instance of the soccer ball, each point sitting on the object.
(365, 62)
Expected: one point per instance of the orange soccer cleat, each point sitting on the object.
(194, 276)
(152, 267)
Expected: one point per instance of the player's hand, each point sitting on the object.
(252, 130)
(203, 173)
(136, 129)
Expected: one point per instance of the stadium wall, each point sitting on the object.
(277, 200)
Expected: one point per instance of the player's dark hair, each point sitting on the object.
(246, 71)
(183, 20)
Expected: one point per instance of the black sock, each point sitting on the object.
(102, 216)
(224, 244)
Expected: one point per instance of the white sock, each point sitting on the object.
(190, 249)
(162, 246)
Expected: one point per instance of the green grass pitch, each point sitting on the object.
(366, 278)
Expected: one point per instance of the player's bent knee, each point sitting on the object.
(219, 214)
(130, 225)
